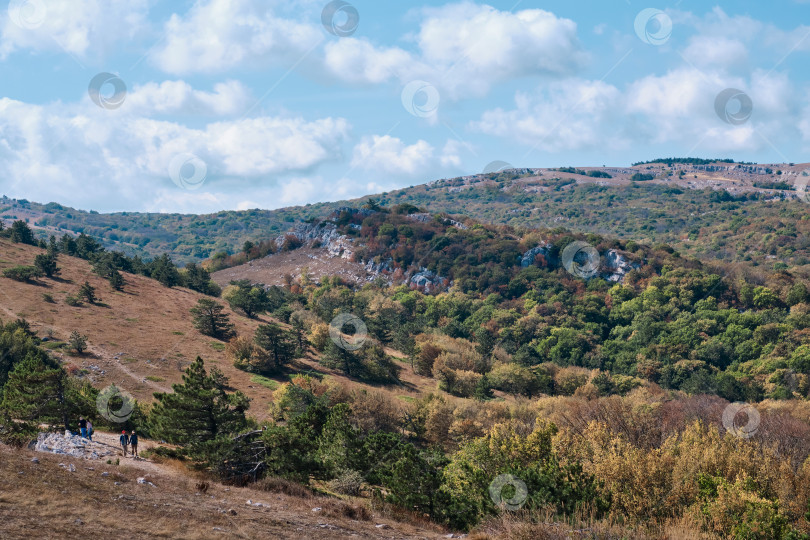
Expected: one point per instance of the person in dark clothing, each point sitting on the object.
(124, 441)
(133, 441)
(83, 427)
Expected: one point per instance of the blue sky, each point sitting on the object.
(235, 104)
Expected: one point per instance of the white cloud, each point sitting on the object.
(85, 28)
(178, 97)
(676, 108)
(391, 157)
(218, 35)
(359, 62)
(465, 49)
(714, 51)
(567, 115)
(51, 152)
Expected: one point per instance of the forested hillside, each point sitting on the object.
(490, 379)
(711, 214)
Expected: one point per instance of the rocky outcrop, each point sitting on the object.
(428, 280)
(338, 245)
(543, 249)
(72, 445)
(615, 266)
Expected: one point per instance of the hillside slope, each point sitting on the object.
(141, 339)
(46, 500)
(681, 203)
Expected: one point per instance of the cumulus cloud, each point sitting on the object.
(178, 97)
(395, 158)
(677, 107)
(85, 28)
(464, 49)
(220, 34)
(566, 115)
(714, 51)
(51, 152)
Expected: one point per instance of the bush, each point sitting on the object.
(275, 484)
(23, 274)
(569, 379)
(347, 482)
(72, 301)
(514, 379)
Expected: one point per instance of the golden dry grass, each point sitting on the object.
(44, 500)
(150, 326)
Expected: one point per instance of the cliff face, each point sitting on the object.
(613, 265)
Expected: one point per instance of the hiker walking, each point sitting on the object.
(133, 441)
(89, 430)
(83, 427)
(124, 441)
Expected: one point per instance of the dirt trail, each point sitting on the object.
(140, 463)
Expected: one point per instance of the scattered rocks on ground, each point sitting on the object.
(72, 445)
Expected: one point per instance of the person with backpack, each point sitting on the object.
(83, 427)
(124, 441)
(89, 430)
(133, 441)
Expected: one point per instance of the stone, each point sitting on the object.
(34, 460)
(383, 526)
(71, 445)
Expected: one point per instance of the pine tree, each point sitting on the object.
(339, 443)
(251, 299)
(339, 358)
(36, 392)
(77, 342)
(277, 342)
(299, 334)
(198, 411)
(209, 319)
(88, 292)
(21, 233)
(164, 270)
(46, 263)
(198, 279)
(116, 280)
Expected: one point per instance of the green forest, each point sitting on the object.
(602, 398)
